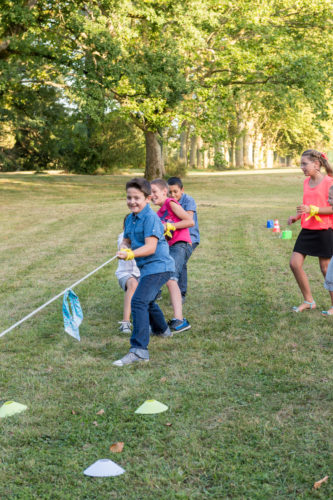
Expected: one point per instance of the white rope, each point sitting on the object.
(55, 298)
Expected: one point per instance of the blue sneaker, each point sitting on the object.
(179, 325)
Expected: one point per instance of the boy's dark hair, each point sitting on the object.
(161, 183)
(175, 180)
(141, 184)
(313, 154)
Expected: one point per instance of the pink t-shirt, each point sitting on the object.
(166, 214)
(317, 196)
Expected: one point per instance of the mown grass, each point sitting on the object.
(249, 387)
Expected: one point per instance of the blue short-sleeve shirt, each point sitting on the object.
(188, 204)
(143, 225)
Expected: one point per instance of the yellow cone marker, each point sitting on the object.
(10, 408)
(151, 406)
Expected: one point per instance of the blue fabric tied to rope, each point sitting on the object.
(72, 312)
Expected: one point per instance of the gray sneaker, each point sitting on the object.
(125, 326)
(128, 359)
(166, 334)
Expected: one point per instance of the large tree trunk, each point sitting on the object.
(239, 152)
(269, 157)
(199, 152)
(232, 155)
(206, 157)
(183, 150)
(258, 154)
(154, 157)
(248, 147)
(193, 151)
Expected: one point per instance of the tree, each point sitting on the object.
(166, 59)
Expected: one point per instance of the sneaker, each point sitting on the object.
(128, 359)
(125, 326)
(165, 335)
(179, 325)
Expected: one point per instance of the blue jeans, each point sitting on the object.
(145, 311)
(182, 280)
(180, 252)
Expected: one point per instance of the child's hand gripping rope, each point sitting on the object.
(125, 254)
(168, 227)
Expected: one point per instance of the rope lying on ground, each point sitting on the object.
(55, 298)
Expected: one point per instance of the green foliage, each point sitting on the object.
(176, 168)
(220, 162)
(110, 145)
(202, 61)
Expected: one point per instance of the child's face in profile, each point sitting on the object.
(176, 192)
(158, 195)
(309, 166)
(136, 200)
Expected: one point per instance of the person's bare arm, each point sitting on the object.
(186, 218)
(305, 209)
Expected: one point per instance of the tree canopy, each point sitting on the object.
(220, 67)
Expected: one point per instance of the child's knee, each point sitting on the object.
(294, 264)
(131, 284)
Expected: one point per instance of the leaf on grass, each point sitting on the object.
(100, 412)
(168, 424)
(163, 379)
(95, 423)
(117, 447)
(73, 412)
(319, 483)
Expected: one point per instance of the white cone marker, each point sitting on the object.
(104, 468)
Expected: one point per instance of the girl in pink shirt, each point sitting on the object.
(179, 240)
(316, 214)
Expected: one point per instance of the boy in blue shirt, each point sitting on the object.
(176, 190)
(144, 241)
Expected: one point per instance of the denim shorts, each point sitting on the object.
(180, 252)
(122, 281)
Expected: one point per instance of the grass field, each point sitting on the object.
(249, 387)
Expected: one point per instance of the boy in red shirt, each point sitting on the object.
(179, 240)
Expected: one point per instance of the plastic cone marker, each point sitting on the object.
(10, 408)
(104, 468)
(151, 406)
(72, 313)
(287, 234)
(276, 227)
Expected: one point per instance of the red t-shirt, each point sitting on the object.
(317, 196)
(166, 214)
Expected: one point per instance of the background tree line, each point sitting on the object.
(107, 84)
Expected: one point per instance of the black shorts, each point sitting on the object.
(315, 242)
